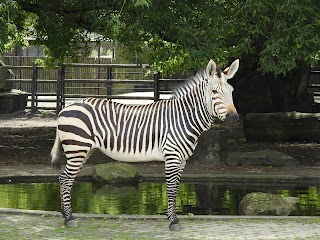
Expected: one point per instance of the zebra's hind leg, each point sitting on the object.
(66, 183)
(173, 169)
(66, 179)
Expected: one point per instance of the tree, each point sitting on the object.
(277, 41)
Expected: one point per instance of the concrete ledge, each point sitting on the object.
(287, 177)
(15, 211)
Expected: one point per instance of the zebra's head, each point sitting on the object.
(219, 91)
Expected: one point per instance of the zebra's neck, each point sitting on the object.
(195, 111)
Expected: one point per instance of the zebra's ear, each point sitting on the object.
(211, 68)
(231, 71)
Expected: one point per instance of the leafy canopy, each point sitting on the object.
(172, 35)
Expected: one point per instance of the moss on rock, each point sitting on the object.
(115, 173)
(259, 203)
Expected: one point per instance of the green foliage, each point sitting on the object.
(13, 25)
(282, 33)
(274, 36)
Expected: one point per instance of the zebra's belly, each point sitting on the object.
(154, 155)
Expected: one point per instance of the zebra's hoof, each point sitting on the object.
(175, 226)
(71, 223)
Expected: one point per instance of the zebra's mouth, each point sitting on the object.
(218, 119)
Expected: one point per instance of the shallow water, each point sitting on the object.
(149, 198)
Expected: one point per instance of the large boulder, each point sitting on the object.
(4, 75)
(13, 101)
(115, 173)
(287, 126)
(264, 157)
(211, 147)
(259, 203)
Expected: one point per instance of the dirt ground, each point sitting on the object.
(33, 147)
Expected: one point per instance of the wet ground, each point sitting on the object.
(48, 225)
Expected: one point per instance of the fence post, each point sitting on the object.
(63, 85)
(109, 81)
(60, 87)
(156, 87)
(34, 103)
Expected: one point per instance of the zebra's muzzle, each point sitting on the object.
(232, 114)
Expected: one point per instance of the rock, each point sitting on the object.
(13, 101)
(288, 126)
(211, 147)
(115, 173)
(259, 203)
(264, 157)
(4, 75)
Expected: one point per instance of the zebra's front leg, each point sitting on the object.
(173, 169)
(66, 182)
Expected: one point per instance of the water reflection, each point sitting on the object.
(148, 198)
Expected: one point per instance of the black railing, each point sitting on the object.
(112, 81)
(73, 81)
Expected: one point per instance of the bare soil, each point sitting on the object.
(32, 146)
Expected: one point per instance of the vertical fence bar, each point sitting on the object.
(98, 70)
(109, 81)
(156, 87)
(63, 86)
(34, 89)
(59, 89)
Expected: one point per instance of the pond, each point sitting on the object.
(149, 198)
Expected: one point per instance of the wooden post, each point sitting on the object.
(109, 82)
(34, 103)
(156, 87)
(60, 88)
(63, 85)
(98, 69)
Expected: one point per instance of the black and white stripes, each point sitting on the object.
(166, 130)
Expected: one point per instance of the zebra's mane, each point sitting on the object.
(192, 82)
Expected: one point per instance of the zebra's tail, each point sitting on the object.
(56, 152)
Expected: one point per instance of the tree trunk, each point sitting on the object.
(277, 93)
(296, 83)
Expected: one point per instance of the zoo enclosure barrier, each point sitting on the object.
(52, 89)
(314, 83)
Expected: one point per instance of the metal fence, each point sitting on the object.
(314, 83)
(55, 88)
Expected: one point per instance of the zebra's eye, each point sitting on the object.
(215, 92)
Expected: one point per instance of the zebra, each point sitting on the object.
(166, 130)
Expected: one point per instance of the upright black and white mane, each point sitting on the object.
(188, 85)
